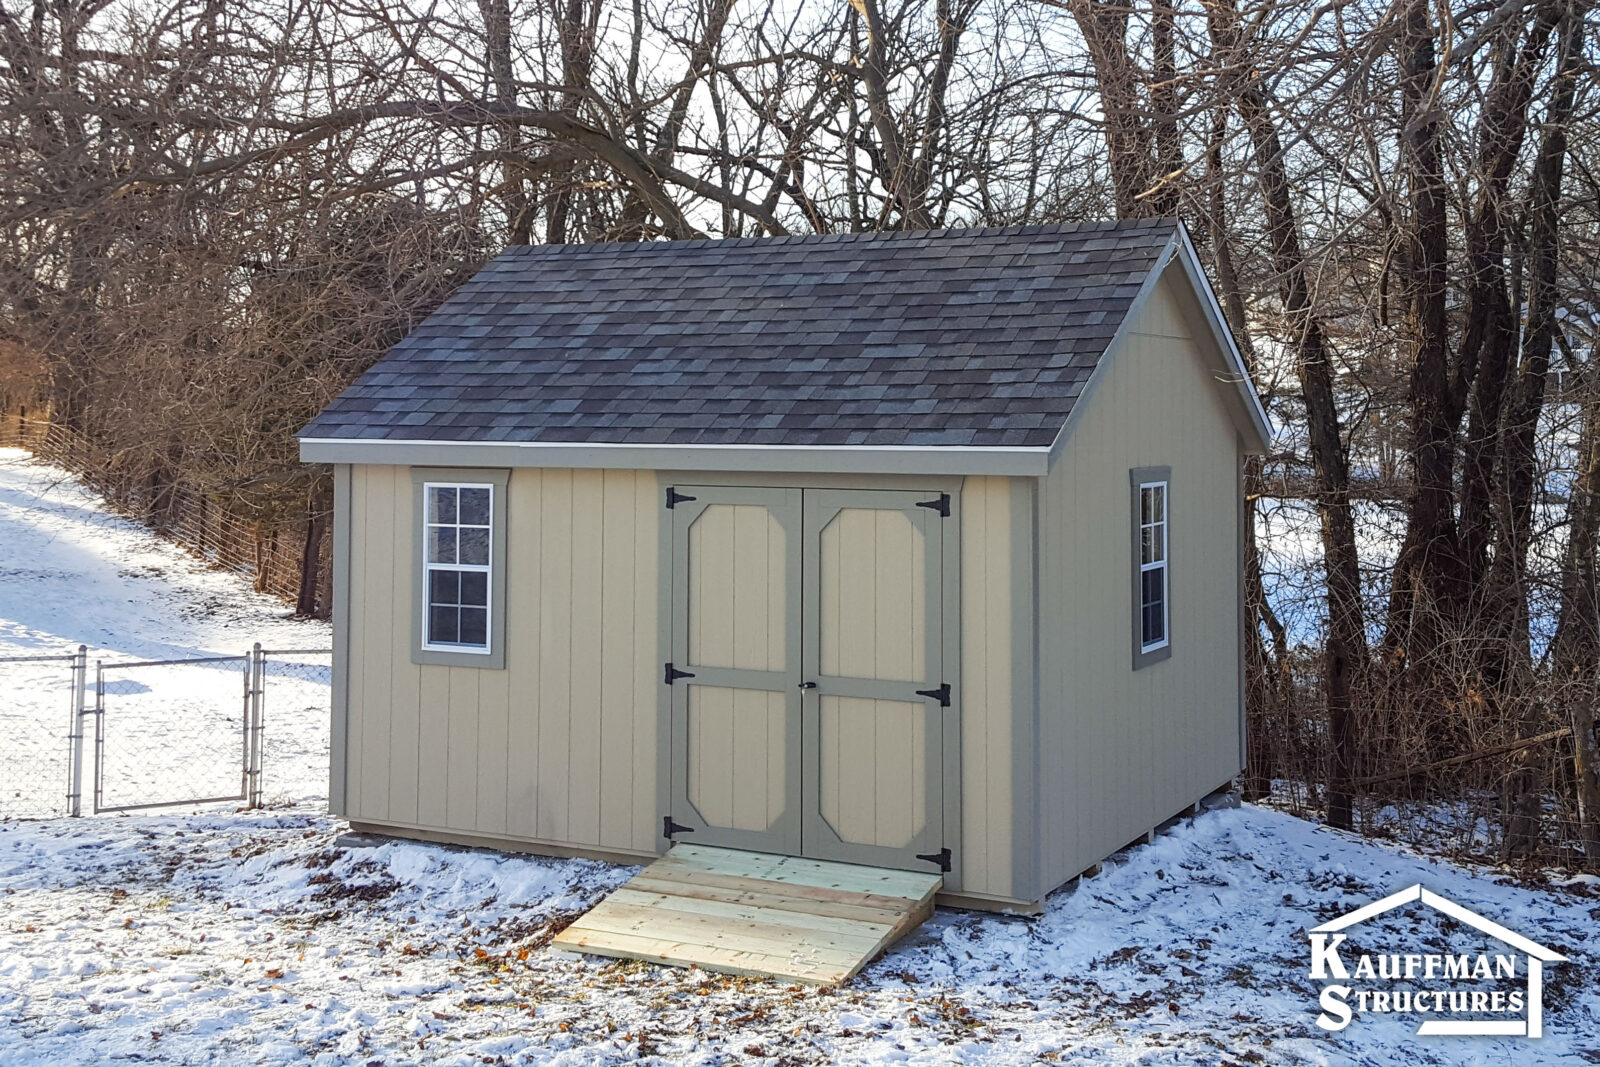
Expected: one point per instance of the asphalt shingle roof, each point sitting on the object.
(954, 337)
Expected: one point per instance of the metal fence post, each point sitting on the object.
(261, 723)
(255, 685)
(247, 714)
(99, 727)
(80, 686)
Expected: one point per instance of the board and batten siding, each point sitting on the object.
(1121, 750)
(989, 708)
(559, 747)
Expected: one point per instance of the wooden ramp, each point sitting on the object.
(755, 914)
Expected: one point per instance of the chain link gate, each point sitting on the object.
(166, 733)
(162, 729)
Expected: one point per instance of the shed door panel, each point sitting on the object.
(736, 633)
(873, 746)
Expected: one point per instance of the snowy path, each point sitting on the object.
(71, 573)
(244, 938)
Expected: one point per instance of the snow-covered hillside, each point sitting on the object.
(71, 574)
(259, 937)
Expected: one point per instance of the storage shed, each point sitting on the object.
(918, 550)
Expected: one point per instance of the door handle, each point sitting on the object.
(808, 685)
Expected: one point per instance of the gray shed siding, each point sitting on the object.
(1121, 749)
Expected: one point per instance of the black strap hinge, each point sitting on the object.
(674, 498)
(668, 828)
(942, 505)
(941, 694)
(941, 858)
(672, 674)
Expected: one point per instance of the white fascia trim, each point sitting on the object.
(1224, 338)
(787, 459)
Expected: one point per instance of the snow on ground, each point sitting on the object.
(72, 573)
(259, 937)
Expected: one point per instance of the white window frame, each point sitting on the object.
(1140, 480)
(487, 570)
(1164, 564)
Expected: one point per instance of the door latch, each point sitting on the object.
(808, 685)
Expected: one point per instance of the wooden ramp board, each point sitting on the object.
(756, 914)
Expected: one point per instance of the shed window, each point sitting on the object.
(1152, 565)
(1152, 547)
(458, 539)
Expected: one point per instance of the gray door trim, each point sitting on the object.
(950, 619)
(784, 506)
(821, 841)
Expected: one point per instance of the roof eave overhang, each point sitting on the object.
(778, 459)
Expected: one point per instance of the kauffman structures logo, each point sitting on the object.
(1496, 993)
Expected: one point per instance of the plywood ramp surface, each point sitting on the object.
(751, 913)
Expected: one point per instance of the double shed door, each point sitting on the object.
(807, 692)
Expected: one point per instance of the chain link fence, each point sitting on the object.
(40, 697)
(133, 735)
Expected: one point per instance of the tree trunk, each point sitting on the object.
(1104, 25)
(1163, 197)
(1428, 577)
(1575, 651)
(1518, 466)
(513, 173)
(1489, 336)
(1586, 771)
(317, 524)
(1345, 652)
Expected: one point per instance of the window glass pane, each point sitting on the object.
(475, 588)
(441, 544)
(1158, 503)
(474, 507)
(444, 587)
(1153, 595)
(457, 534)
(443, 626)
(474, 546)
(474, 626)
(1151, 583)
(1154, 625)
(441, 504)
(1147, 544)
(1146, 506)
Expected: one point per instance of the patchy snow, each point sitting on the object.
(258, 938)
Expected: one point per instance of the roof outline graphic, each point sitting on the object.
(1449, 907)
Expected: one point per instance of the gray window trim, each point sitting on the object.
(1137, 477)
(499, 480)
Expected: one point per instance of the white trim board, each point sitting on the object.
(789, 459)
